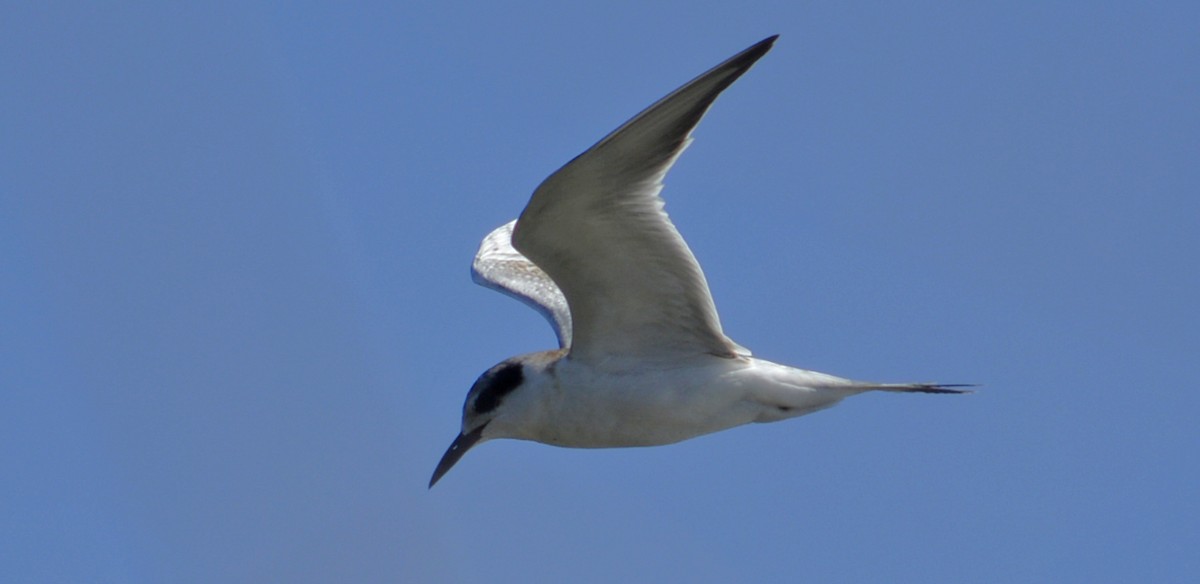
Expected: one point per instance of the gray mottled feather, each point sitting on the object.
(500, 267)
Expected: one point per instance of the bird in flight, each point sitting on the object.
(642, 359)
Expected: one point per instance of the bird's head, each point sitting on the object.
(491, 399)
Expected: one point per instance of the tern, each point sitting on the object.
(642, 358)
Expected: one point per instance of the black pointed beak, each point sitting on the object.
(457, 449)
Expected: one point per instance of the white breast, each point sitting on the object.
(583, 408)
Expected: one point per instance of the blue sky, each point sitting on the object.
(238, 324)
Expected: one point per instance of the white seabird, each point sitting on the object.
(642, 359)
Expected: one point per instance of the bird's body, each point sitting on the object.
(567, 403)
(642, 358)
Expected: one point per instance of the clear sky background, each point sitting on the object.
(237, 327)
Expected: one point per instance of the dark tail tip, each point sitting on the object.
(941, 387)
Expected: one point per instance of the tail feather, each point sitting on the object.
(923, 387)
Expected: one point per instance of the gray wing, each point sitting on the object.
(598, 229)
(500, 267)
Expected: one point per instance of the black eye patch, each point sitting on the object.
(499, 382)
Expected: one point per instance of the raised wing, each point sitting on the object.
(500, 267)
(598, 229)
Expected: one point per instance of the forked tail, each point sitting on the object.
(923, 387)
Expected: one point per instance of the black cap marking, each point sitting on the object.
(498, 382)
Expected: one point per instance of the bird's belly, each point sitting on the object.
(645, 415)
(662, 407)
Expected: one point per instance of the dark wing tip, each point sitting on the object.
(757, 50)
(743, 60)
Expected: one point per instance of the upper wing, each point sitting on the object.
(500, 267)
(598, 228)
